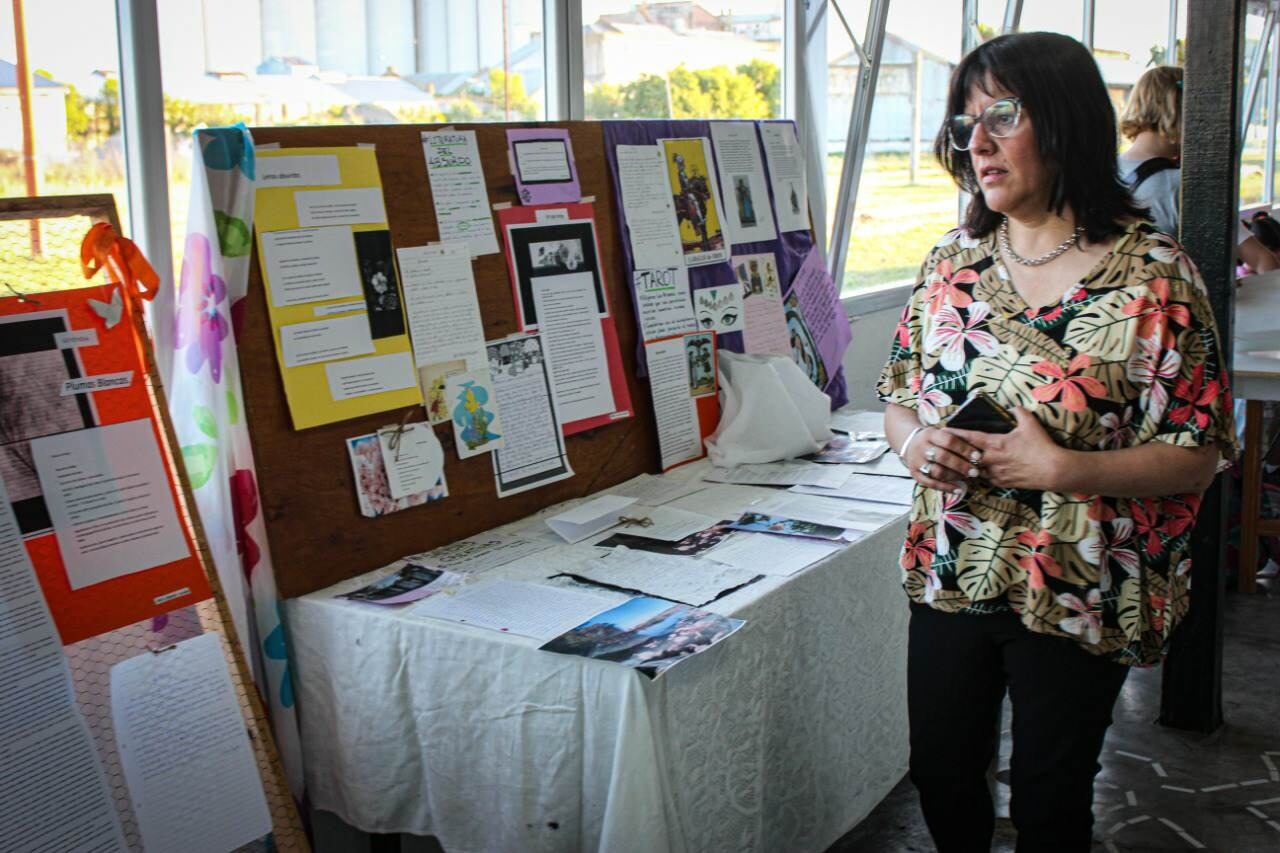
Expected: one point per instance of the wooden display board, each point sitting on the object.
(316, 532)
(61, 221)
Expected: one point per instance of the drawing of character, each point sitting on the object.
(471, 415)
(691, 201)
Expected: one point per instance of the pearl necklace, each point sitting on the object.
(1007, 248)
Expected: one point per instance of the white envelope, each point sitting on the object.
(589, 518)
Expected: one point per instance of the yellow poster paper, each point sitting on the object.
(324, 250)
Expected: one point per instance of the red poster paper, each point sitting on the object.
(561, 240)
(53, 345)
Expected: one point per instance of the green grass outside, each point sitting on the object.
(896, 222)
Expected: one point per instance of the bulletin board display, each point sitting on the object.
(102, 624)
(316, 531)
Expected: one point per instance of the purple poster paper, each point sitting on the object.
(820, 304)
(543, 166)
(789, 248)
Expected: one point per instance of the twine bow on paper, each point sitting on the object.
(124, 262)
(635, 522)
(396, 433)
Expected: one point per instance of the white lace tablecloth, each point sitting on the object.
(781, 738)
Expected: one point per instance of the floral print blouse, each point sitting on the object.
(1130, 355)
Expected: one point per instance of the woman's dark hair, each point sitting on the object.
(1064, 98)
(1266, 229)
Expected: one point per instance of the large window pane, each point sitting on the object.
(679, 60)
(1254, 152)
(905, 200)
(308, 62)
(75, 112)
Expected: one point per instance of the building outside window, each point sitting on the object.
(682, 60)
(75, 119)
(318, 62)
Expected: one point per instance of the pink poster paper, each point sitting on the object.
(820, 304)
(543, 165)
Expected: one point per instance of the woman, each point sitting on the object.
(1050, 559)
(1152, 122)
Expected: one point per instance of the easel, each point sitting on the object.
(91, 659)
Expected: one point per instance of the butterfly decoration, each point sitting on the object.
(111, 311)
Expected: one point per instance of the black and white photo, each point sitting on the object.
(379, 282)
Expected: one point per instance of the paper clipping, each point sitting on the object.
(676, 578)
(410, 583)
(373, 491)
(764, 321)
(458, 189)
(413, 458)
(719, 309)
(482, 552)
(310, 264)
(778, 556)
(313, 170)
(477, 426)
(690, 546)
(515, 607)
(590, 518)
(663, 302)
(362, 206)
(444, 318)
(697, 200)
(375, 374)
(53, 792)
(650, 635)
(191, 770)
(674, 409)
(110, 500)
(574, 342)
(648, 207)
(543, 165)
(533, 452)
(819, 302)
(748, 218)
(786, 173)
(326, 340)
(665, 523)
(757, 522)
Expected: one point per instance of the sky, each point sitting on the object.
(73, 53)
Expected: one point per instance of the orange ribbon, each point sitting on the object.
(124, 261)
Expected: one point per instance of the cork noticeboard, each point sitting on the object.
(316, 532)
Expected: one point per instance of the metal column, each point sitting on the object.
(1012, 16)
(142, 119)
(1254, 70)
(562, 63)
(805, 101)
(969, 33)
(1086, 25)
(1273, 99)
(869, 51)
(1191, 691)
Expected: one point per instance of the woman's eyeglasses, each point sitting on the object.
(999, 120)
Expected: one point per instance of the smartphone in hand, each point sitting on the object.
(981, 413)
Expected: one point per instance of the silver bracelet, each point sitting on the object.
(902, 453)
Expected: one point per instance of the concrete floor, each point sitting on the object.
(1161, 789)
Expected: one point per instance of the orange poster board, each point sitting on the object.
(53, 347)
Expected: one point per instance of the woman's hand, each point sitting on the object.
(1026, 458)
(949, 458)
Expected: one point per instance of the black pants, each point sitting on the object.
(958, 669)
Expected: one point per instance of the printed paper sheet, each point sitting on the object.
(315, 276)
